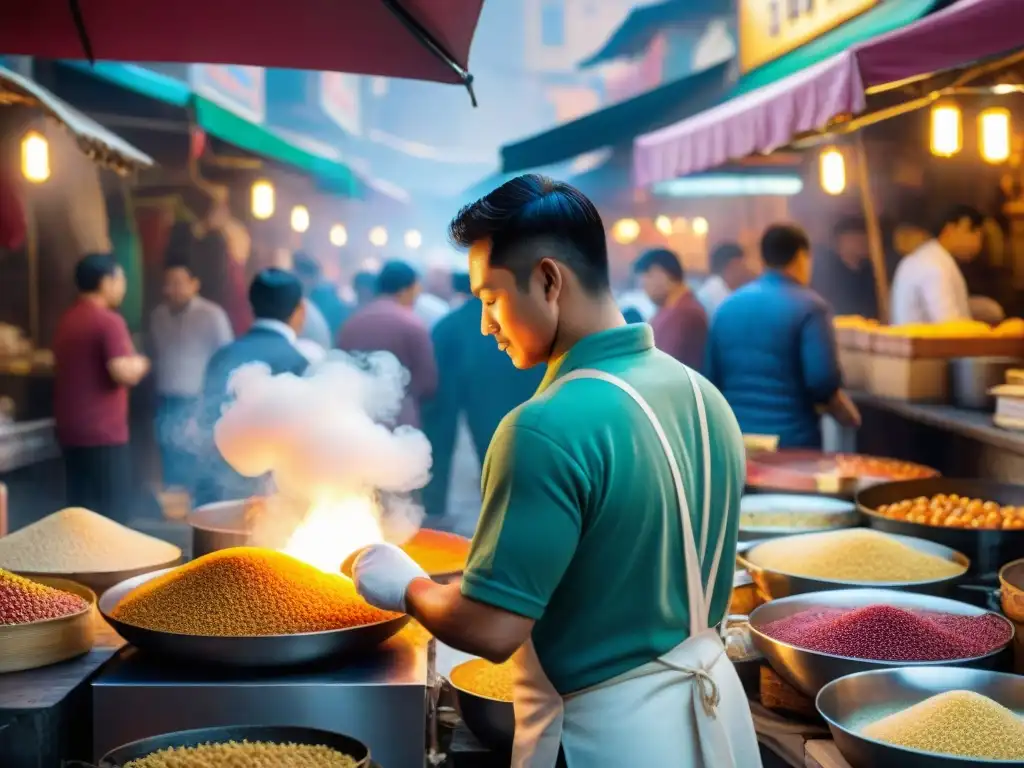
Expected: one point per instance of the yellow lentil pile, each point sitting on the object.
(245, 592)
(961, 723)
(479, 676)
(75, 540)
(246, 754)
(852, 556)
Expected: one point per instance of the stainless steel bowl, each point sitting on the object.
(492, 721)
(258, 651)
(774, 584)
(850, 703)
(117, 758)
(810, 670)
(802, 514)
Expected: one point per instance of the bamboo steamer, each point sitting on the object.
(51, 641)
(1011, 583)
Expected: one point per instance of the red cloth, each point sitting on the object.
(681, 330)
(386, 325)
(90, 409)
(13, 228)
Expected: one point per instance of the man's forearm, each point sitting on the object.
(464, 624)
(843, 409)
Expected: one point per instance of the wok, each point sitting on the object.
(117, 758)
(988, 550)
(850, 703)
(773, 584)
(809, 671)
(257, 651)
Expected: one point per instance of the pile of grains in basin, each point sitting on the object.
(246, 754)
(75, 540)
(479, 676)
(23, 601)
(961, 723)
(246, 592)
(888, 633)
(852, 556)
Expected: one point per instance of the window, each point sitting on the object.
(552, 23)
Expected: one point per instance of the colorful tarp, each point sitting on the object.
(765, 119)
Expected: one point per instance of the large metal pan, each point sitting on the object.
(261, 651)
(772, 515)
(824, 474)
(774, 584)
(809, 670)
(988, 550)
(852, 702)
(117, 758)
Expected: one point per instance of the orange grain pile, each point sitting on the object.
(479, 676)
(246, 592)
(246, 754)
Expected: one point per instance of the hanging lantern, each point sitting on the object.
(625, 231)
(832, 167)
(300, 218)
(947, 134)
(339, 235)
(700, 226)
(262, 200)
(413, 239)
(994, 134)
(378, 237)
(35, 157)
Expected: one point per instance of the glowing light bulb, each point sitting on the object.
(35, 157)
(700, 226)
(664, 225)
(832, 166)
(300, 218)
(994, 134)
(339, 235)
(947, 134)
(413, 239)
(262, 200)
(625, 231)
(379, 237)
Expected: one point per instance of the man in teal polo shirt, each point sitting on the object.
(604, 554)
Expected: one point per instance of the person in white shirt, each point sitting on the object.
(729, 271)
(928, 286)
(186, 330)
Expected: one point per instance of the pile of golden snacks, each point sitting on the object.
(954, 511)
(483, 678)
(251, 754)
(954, 329)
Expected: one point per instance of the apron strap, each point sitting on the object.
(694, 582)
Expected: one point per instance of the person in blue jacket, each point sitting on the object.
(276, 300)
(772, 349)
(476, 379)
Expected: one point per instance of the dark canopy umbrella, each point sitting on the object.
(417, 39)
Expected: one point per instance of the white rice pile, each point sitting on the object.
(76, 540)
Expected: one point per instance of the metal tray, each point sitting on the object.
(257, 651)
(809, 671)
(276, 734)
(833, 513)
(775, 584)
(988, 550)
(850, 703)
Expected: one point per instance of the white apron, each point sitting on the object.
(686, 709)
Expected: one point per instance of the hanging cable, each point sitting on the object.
(83, 33)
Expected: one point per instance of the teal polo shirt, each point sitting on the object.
(579, 528)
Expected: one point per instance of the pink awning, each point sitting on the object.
(769, 118)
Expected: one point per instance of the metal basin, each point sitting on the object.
(988, 550)
(117, 758)
(774, 584)
(772, 515)
(257, 651)
(810, 671)
(852, 702)
(492, 721)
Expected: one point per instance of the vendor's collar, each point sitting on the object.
(592, 350)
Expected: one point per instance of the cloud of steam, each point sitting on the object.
(326, 437)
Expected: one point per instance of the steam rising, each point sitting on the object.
(326, 439)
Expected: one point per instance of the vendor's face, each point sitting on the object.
(180, 287)
(852, 247)
(657, 285)
(963, 240)
(113, 288)
(524, 321)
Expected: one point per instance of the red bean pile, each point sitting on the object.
(23, 601)
(887, 633)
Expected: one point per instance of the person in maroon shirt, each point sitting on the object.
(681, 324)
(388, 323)
(95, 364)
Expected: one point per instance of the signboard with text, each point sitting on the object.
(339, 99)
(770, 28)
(237, 88)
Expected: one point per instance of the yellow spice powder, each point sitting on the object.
(855, 555)
(961, 723)
(246, 754)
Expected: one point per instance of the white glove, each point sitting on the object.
(382, 574)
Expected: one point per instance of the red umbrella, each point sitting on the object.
(418, 39)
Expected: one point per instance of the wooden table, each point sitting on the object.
(46, 713)
(823, 753)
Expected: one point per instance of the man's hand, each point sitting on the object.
(382, 574)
